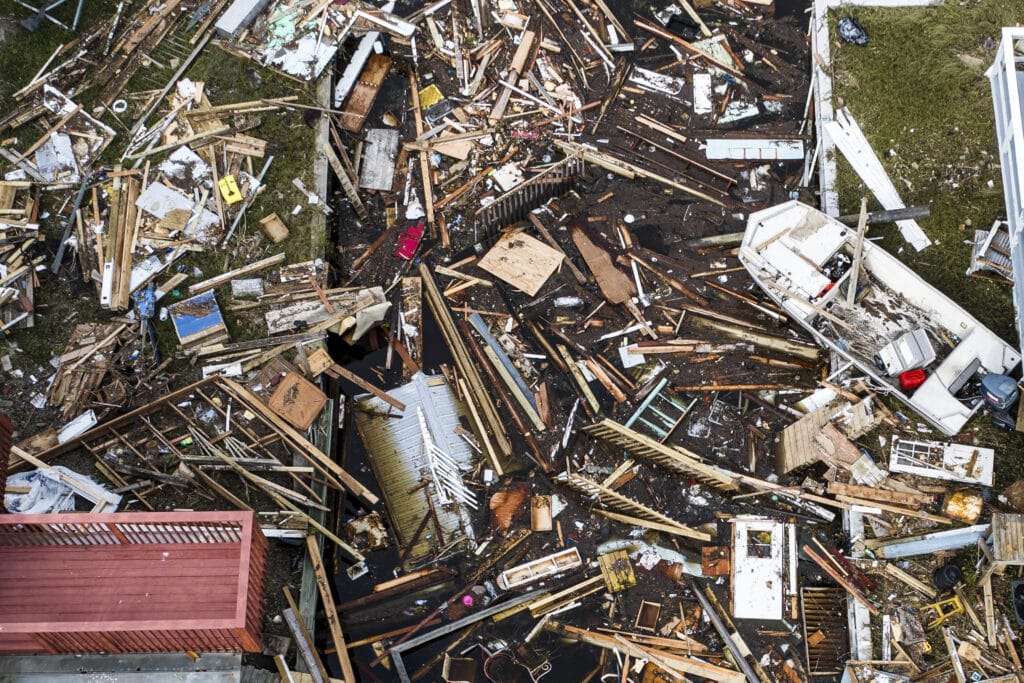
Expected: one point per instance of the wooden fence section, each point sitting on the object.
(673, 458)
(131, 582)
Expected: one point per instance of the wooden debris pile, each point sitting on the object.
(19, 228)
(71, 142)
(101, 368)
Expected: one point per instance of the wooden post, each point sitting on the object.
(858, 251)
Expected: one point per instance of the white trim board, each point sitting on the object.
(848, 137)
(821, 85)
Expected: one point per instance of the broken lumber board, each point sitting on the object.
(339, 371)
(616, 287)
(675, 530)
(670, 662)
(467, 369)
(872, 493)
(333, 622)
(909, 579)
(303, 640)
(365, 92)
(307, 449)
(425, 172)
(673, 458)
(627, 170)
(839, 579)
(226, 278)
(347, 183)
(577, 375)
(669, 280)
(641, 514)
(852, 500)
(516, 67)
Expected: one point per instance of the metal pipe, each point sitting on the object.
(724, 633)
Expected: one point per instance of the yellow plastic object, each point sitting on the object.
(943, 609)
(229, 189)
(430, 96)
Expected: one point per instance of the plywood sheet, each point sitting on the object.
(297, 400)
(522, 261)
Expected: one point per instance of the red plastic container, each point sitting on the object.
(912, 379)
(409, 241)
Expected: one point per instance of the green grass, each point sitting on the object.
(25, 52)
(918, 88)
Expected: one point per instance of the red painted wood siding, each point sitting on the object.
(6, 437)
(131, 582)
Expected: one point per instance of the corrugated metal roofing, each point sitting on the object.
(395, 451)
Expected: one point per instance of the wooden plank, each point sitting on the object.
(347, 183)
(363, 384)
(990, 611)
(840, 579)
(912, 581)
(327, 599)
(226, 278)
(314, 454)
(517, 64)
(365, 92)
(616, 286)
(428, 189)
(522, 261)
(488, 412)
(876, 494)
(305, 644)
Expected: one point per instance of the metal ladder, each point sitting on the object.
(659, 415)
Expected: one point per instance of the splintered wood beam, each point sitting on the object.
(317, 457)
(839, 578)
(909, 579)
(333, 622)
(488, 411)
(425, 178)
(626, 169)
(858, 251)
(363, 384)
(642, 514)
(304, 641)
(346, 183)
